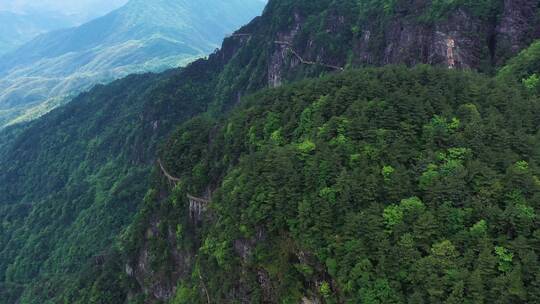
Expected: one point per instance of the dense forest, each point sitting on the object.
(346, 184)
(375, 186)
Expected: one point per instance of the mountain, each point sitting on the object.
(24, 20)
(18, 28)
(139, 37)
(78, 11)
(239, 180)
(353, 188)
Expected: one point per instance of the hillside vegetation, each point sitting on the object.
(282, 170)
(375, 186)
(524, 67)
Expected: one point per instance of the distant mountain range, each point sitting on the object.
(18, 28)
(141, 36)
(80, 10)
(23, 20)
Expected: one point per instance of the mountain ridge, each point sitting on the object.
(143, 36)
(21, 27)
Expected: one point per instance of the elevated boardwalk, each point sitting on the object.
(197, 205)
(171, 178)
(303, 61)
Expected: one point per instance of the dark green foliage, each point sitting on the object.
(524, 64)
(389, 185)
(378, 186)
(88, 166)
(484, 9)
(525, 68)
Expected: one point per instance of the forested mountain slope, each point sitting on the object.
(142, 36)
(525, 66)
(87, 165)
(387, 185)
(375, 186)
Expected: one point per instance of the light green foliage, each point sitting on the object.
(219, 250)
(525, 67)
(440, 126)
(271, 124)
(332, 266)
(253, 136)
(277, 138)
(525, 212)
(449, 163)
(522, 166)
(444, 252)
(328, 194)
(387, 172)
(394, 214)
(306, 147)
(184, 295)
(458, 154)
(505, 258)
(532, 82)
(479, 229)
(311, 116)
(305, 270)
(325, 289)
(413, 204)
(429, 176)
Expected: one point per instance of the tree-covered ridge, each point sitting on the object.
(295, 39)
(524, 67)
(374, 186)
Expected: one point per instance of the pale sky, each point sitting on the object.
(91, 8)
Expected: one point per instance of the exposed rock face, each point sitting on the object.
(518, 26)
(459, 40)
(453, 43)
(197, 207)
(232, 44)
(264, 54)
(306, 300)
(281, 51)
(244, 249)
(160, 285)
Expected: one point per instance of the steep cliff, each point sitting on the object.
(296, 39)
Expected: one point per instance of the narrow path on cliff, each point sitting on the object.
(308, 62)
(173, 180)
